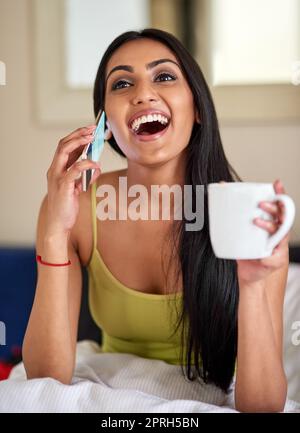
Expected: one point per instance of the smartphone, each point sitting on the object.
(94, 149)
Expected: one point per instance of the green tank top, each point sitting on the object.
(131, 321)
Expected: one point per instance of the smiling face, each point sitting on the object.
(145, 79)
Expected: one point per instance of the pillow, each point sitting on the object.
(18, 281)
(18, 272)
(291, 342)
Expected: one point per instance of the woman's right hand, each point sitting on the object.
(64, 184)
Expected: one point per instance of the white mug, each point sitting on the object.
(232, 207)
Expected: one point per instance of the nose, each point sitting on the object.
(144, 93)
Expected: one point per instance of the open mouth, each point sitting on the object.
(150, 127)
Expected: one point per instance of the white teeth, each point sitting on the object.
(149, 118)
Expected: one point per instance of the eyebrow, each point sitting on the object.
(150, 65)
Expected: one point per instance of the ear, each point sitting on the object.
(107, 134)
(197, 116)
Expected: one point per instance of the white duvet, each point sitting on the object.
(115, 382)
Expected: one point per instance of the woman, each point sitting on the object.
(143, 73)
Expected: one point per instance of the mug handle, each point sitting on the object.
(289, 206)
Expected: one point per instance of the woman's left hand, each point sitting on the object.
(256, 270)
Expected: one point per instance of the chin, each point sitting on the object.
(156, 158)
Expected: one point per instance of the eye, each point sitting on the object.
(116, 85)
(167, 74)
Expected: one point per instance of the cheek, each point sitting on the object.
(121, 133)
(115, 118)
(183, 125)
(183, 109)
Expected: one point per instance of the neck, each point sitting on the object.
(168, 173)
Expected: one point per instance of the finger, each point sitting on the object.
(73, 173)
(278, 187)
(280, 204)
(78, 186)
(281, 212)
(79, 132)
(270, 226)
(269, 262)
(96, 174)
(279, 257)
(271, 207)
(78, 182)
(75, 154)
(280, 253)
(67, 153)
(284, 242)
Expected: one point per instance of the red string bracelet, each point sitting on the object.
(39, 259)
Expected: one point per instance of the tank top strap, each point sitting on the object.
(94, 216)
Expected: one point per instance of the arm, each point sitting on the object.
(260, 381)
(49, 346)
(50, 340)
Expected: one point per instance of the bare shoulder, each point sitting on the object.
(82, 232)
(111, 177)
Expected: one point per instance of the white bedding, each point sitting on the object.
(291, 341)
(113, 382)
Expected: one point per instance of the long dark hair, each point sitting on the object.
(210, 285)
